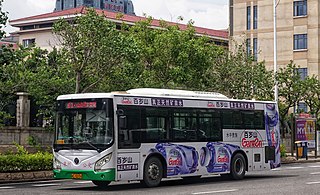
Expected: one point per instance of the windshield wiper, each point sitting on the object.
(91, 145)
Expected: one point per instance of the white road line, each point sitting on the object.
(277, 169)
(6, 187)
(315, 173)
(315, 166)
(82, 182)
(314, 182)
(295, 167)
(47, 184)
(212, 192)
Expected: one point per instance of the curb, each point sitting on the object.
(290, 160)
(25, 176)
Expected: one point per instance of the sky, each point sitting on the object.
(212, 14)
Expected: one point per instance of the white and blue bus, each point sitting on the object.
(151, 134)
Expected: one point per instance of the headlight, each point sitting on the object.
(100, 163)
(56, 164)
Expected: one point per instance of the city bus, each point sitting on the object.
(149, 134)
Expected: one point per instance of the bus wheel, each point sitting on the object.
(238, 167)
(101, 184)
(152, 172)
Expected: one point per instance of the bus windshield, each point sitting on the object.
(85, 124)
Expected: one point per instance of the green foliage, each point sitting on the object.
(171, 57)
(26, 162)
(290, 88)
(23, 161)
(32, 141)
(3, 20)
(311, 94)
(42, 74)
(93, 46)
(20, 149)
(283, 150)
(4, 116)
(236, 75)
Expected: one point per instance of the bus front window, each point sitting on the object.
(84, 127)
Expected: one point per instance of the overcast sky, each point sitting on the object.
(212, 14)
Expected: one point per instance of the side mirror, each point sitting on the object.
(122, 122)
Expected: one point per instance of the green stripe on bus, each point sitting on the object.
(108, 175)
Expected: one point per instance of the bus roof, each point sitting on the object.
(178, 93)
(153, 92)
(84, 96)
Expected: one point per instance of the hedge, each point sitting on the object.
(26, 162)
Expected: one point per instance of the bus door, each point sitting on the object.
(128, 158)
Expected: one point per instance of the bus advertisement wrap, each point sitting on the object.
(182, 159)
(150, 134)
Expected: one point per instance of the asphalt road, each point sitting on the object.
(289, 179)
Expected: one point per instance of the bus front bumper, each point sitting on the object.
(108, 175)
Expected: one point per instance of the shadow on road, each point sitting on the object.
(177, 182)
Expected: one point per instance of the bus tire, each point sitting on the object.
(152, 172)
(238, 167)
(101, 184)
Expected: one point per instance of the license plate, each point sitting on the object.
(76, 176)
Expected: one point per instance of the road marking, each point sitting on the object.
(6, 187)
(315, 173)
(315, 166)
(82, 182)
(314, 182)
(295, 167)
(277, 169)
(47, 184)
(212, 192)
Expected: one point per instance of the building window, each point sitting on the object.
(88, 3)
(300, 8)
(300, 41)
(248, 17)
(302, 107)
(248, 46)
(28, 42)
(303, 72)
(255, 17)
(255, 49)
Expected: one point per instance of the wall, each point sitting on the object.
(45, 39)
(20, 135)
(287, 26)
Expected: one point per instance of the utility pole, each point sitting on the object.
(275, 4)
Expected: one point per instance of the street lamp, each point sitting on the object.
(275, 4)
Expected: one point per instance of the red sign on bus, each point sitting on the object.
(75, 105)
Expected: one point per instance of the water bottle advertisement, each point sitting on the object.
(214, 157)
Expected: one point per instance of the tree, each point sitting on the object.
(311, 94)
(43, 75)
(3, 20)
(290, 88)
(236, 75)
(172, 57)
(93, 47)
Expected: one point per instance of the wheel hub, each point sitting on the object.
(239, 166)
(153, 171)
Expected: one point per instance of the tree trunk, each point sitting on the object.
(78, 78)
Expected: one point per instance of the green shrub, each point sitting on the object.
(23, 161)
(26, 162)
(283, 150)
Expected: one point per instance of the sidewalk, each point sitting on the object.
(25, 176)
(293, 159)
